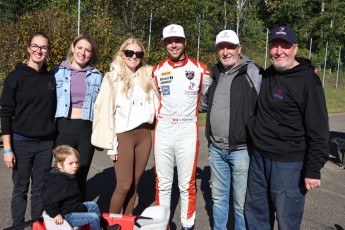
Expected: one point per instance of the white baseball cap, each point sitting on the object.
(173, 30)
(227, 36)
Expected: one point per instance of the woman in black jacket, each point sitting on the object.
(28, 103)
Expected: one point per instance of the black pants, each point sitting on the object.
(77, 133)
(33, 162)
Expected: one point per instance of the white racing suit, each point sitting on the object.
(176, 134)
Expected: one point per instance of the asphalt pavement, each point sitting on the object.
(324, 209)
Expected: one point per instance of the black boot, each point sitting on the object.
(114, 227)
(103, 222)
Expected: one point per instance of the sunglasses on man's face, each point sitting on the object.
(130, 53)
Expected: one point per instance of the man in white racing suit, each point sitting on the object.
(180, 80)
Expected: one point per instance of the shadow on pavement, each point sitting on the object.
(336, 148)
(337, 227)
(205, 176)
(102, 186)
(146, 191)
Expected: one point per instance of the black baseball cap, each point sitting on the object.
(283, 32)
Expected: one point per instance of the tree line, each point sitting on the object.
(111, 22)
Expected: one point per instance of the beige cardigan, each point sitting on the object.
(103, 125)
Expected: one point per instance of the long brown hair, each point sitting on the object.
(95, 52)
(28, 44)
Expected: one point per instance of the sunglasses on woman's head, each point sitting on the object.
(130, 53)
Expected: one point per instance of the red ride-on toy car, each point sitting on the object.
(152, 218)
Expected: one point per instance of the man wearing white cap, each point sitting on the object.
(229, 102)
(180, 80)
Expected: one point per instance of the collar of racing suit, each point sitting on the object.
(178, 63)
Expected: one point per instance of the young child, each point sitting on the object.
(61, 196)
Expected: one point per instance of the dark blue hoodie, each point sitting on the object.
(291, 123)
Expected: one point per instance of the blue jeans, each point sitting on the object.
(275, 190)
(228, 168)
(91, 217)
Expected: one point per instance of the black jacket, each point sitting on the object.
(292, 121)
(28, 103)
(61, 194)
(243, 99)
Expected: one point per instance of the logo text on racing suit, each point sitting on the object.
(191, 91)
(166, 80)
(182, 119)
(190, 74)
(191, 85)
(166, 73)
(165, 89)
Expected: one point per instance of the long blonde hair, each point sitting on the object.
(143, 71)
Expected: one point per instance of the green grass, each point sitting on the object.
(335, 99)
(202, 119)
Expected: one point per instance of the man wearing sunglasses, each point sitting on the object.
(180, 80)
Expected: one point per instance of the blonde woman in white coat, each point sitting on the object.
(134, 104)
